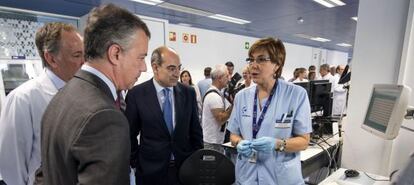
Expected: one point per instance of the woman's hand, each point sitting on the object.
(264, 144)
(244, 149)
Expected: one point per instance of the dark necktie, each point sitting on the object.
(167, 108)
(120, 102)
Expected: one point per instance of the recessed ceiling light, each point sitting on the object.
(149, 2)
(184, 24)
(301, 35)
(354, 18)
(229, 19)
(320, 39)
(338, 2)
(194, 11)
(330, 3)
(300, 20)
(344, 44)
(185, 9)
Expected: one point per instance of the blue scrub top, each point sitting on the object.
(274, 168)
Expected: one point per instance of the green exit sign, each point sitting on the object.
(246, 45)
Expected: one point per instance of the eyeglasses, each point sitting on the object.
(173, 68)
(259, 60)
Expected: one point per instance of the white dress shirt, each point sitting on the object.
(20, 127)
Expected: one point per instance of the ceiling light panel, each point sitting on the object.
(301, 35)
(229, 19)
(344, 45)
(185, 9)
(337, 2)
(330, 3)
(149, 2)
(324, 3)
(320, 39)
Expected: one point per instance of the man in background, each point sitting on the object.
(339, 93)
(61, 49)
(203, 85)
(324, 71)
(85, 136)
(230, 68)
(164, 114)
(216, 110)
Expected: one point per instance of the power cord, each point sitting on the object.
(374, 178)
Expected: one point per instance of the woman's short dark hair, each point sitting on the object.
(108, 25)
(276, 50)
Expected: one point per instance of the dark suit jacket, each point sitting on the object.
(84, 136)
(152, 155)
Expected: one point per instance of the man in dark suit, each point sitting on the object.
(84, 135)
(164, 113)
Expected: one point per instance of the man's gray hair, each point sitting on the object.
(325, 67)
(108, 25)
(218, 71)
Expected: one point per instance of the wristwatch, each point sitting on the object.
(282, 146)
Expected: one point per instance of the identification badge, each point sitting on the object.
(282, 125)
(253, 158)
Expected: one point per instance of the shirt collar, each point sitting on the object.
(158, 87)
(57, 82)
(102, 77)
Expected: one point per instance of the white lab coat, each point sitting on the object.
(20, 129)
(339, 97)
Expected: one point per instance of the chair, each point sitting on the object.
(207, 167)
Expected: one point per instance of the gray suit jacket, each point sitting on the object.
(85, 138)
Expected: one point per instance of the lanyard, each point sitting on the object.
(256, 125)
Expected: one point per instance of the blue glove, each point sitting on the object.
(264, 144)
(244, 149)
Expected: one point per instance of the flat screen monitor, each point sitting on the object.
(386, 110)
(320, 96)
(305, 85)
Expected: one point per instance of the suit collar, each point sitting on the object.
(102, 76)
(94, 80)
(159, 88)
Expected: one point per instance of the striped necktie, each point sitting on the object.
(167, 110)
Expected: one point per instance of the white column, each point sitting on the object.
(377, 58)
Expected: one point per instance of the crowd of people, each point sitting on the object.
(72, 125)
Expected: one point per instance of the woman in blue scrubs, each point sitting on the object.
(270, 122)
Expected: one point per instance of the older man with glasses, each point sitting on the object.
(164, 114)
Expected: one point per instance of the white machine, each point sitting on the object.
(15, 72)
(386, 110)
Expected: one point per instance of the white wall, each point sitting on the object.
(336, 58)
(403, 146)
(214, 48)
(159, 31)
(377, 59)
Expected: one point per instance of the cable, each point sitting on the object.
(406, 128)
(374, 178)
(329, 156)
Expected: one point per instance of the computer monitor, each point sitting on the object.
(320, 96)
(386, 110)
(305, 85)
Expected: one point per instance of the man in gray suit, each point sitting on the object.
(85, 137)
